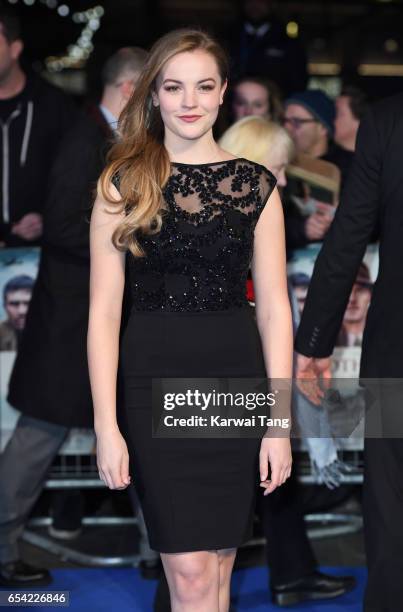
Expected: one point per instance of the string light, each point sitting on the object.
(77, 53)
(63, 10)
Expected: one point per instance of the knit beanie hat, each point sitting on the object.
(318, 104)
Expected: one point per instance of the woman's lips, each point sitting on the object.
(189, 118)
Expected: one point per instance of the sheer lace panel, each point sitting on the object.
(198, 193)
(200, 258)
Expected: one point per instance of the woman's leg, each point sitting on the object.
(226, 559)
(193, 580)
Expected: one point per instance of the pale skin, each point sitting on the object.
(189, 84)
(277, 161)
(250, 99)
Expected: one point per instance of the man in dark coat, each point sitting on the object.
(373, 193)
(34, 117)
(50, 383)
(261, 47)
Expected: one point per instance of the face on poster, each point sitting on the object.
(18, 271)
(347, 354)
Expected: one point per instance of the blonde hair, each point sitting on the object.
(139, 158)
(253, 137)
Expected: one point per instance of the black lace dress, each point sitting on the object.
(190, 318)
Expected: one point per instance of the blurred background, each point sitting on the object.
(354, 40)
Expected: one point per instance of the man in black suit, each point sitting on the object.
(373, 196)
(260, 46)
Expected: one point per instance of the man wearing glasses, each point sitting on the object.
(309, 118)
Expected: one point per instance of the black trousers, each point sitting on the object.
(383, 517)
(288, 550)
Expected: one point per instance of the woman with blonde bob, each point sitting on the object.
(186, 218)
(262, 141)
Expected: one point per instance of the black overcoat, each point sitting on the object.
(50, 378)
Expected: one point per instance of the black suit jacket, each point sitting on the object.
(274, 56)
(373, 194)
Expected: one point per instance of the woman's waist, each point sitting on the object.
(196, 342)
(242, 309)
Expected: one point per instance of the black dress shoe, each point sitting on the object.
(21, 574)
(312, 587)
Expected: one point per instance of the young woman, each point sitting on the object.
(186, 217)
(256, 96)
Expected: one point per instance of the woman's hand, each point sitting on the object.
(277, 453)
(113, 459)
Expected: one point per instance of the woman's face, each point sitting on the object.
(189, 92)
(250, 99)
(276, 161)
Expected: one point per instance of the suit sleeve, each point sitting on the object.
(343, 248)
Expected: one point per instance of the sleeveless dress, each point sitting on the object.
(190, 318)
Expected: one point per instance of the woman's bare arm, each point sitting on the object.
(106, 295)
(273, 311)
(274, 321)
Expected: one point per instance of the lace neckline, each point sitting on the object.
(217, 163)
(204, 181)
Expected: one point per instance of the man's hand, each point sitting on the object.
(30, 227)
(310, 372)
(319, 222)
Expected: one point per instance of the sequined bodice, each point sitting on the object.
(200, 258)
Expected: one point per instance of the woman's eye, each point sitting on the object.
(171, 88)
(207, 87)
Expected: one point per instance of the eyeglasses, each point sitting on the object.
(297, 122)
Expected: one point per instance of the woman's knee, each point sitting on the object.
(192, 575)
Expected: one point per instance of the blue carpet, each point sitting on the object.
(123, 590)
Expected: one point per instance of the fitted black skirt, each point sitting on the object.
(195, 493)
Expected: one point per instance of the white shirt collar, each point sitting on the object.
(257, 31)
(109, 117)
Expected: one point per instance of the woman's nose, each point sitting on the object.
(189, 99)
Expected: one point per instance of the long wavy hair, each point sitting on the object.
(139, 157)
